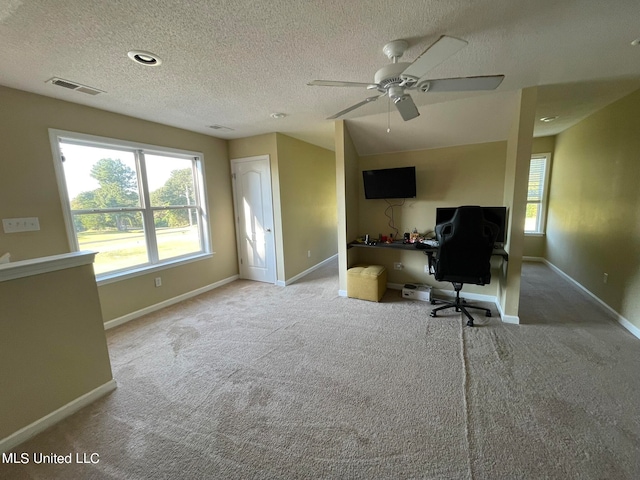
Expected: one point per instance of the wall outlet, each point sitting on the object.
(308, 253)
(426, 269)
(397, 266)
(158, 281)
(605, 278)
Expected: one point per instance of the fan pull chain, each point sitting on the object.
(389, 115)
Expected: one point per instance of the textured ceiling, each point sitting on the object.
(232, 63)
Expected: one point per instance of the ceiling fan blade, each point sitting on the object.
(437, 53)
(333, 83)
(406, 107)
(357, 105)
(462, 84)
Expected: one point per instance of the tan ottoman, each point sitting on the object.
(367, 282)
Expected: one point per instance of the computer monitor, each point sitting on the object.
(497, 215)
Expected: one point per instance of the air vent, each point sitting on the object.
(220, 127)
(62, 83)
(74, 86)
(90, 91)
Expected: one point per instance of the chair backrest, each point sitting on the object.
(466, 244)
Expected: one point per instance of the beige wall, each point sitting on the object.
(303, 182)
(543, 145)
(52, 346)
(446, 177)
(347, 181)
(28, 188)
(593, 222)
(308, 204)
(253, 146)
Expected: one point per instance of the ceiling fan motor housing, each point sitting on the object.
(389, 75)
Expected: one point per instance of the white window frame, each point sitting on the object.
(542, 218)
(139, 150)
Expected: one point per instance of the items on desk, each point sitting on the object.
(419, 246)
(367, 240)
(413, 236)
(427, 243)
(371, 242)
(432, 242)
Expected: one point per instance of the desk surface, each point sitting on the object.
(412, 247)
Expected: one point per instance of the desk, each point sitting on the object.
(412, 247)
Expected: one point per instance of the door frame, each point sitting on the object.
(272, 251)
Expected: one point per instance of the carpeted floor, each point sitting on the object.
(257, 381)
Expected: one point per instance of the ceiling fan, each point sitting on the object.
(396, 79)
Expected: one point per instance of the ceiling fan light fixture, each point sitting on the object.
(278, 115)
(144, 58)
(636, 42)
(396, 94)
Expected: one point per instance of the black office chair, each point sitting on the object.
(464, 255)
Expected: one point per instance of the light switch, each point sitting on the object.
(14, 225)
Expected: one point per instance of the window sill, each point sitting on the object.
(534, 234)
(106, 278)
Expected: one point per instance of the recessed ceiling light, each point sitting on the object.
(278, 115)
(636, 42)
(548, 119)
(144, 58)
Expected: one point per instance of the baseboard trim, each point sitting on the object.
(467, 296)
(635, 331)
(56, 416)
(295, 278)
(449, 293)
(171, 301)
(512, 319)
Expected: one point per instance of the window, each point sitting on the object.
(139, 206)
(537, 194)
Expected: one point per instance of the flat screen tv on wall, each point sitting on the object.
(390, 183)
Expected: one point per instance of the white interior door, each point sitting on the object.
(254, 218)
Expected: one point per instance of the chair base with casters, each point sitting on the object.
(459, 305)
